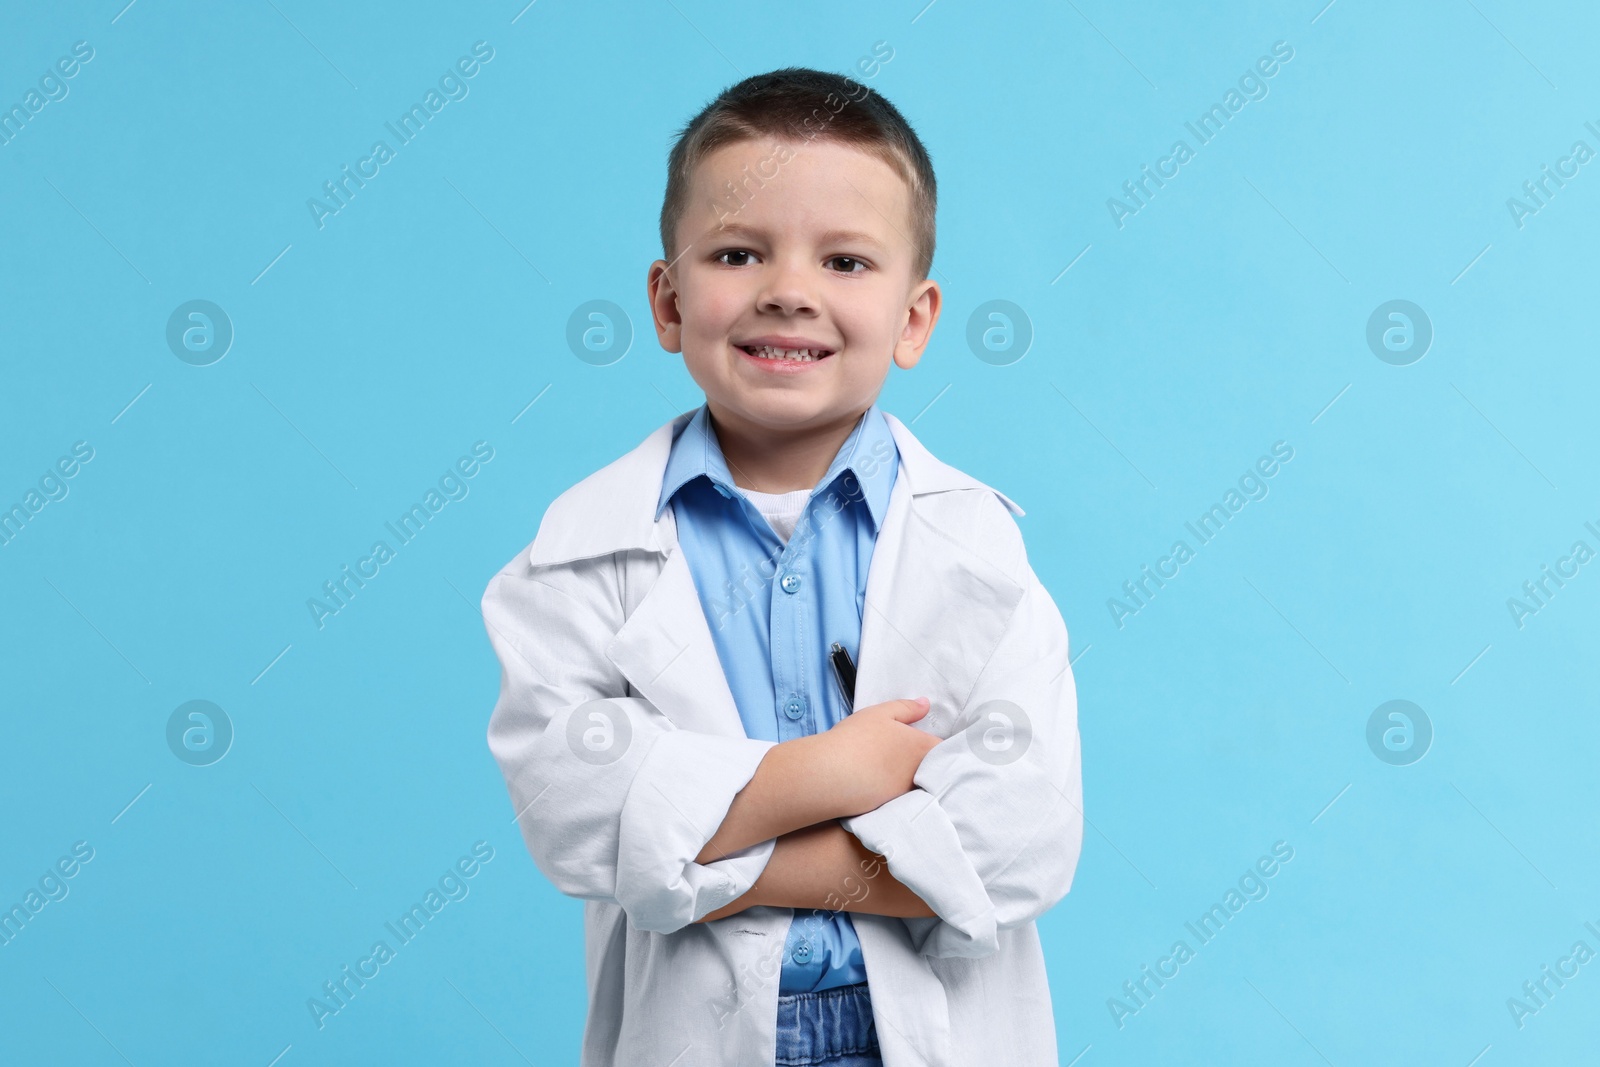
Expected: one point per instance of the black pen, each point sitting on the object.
(844, 671)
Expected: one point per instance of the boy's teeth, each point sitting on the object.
(804, 355)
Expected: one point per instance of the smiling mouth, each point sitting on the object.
(786, 355)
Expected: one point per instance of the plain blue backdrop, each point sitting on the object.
(374, 346)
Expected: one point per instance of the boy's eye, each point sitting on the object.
(842, 264)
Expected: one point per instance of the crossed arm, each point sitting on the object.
(799, 792)
(987, 844)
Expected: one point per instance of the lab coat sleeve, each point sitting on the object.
(613, 800)
(989, 837)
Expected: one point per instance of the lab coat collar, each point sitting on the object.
(614, 509)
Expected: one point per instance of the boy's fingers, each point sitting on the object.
(910, 710)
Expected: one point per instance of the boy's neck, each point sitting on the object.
(773, 461)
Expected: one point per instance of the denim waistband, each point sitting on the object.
(813, 1027)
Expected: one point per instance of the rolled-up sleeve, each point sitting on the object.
(613, 799)
(990, 836)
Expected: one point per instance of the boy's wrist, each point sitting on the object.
(793, 854)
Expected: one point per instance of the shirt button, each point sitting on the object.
(791, 583)
(802, 953)
(794, 708)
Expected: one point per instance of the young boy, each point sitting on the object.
(784, 859)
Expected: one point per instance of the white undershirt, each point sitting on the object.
(781, 510)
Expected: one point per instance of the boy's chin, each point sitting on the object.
(790, 412)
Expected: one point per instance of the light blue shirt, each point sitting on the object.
(775, 609)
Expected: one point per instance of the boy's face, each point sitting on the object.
(819, 257)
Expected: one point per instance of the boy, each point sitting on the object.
(785, 860)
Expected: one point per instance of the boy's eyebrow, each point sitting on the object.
(739, 229)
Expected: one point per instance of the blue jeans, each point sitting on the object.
(832, 1027)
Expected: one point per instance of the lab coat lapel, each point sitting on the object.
(666, 652)
(935, 610)
(664, 648)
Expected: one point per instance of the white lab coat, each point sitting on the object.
(602, 605)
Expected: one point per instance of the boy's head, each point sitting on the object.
(799, 213)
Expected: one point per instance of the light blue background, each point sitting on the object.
(370, 354)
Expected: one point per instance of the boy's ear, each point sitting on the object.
(663, 298)
(921, 316)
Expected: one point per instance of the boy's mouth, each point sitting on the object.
(789, 352)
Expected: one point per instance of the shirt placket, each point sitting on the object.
(793, 602)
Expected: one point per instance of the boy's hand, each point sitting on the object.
(873, 754)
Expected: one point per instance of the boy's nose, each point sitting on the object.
(786, 291)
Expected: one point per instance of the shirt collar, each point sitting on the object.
(868, 454)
